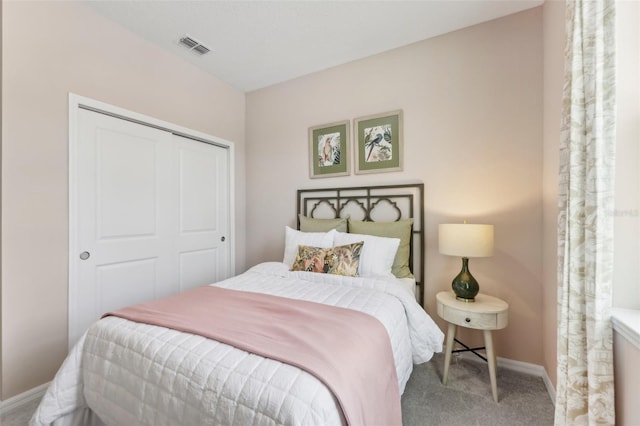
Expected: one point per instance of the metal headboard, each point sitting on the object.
(372, 203)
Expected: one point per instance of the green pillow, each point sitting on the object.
(309, 224)
(400, 229)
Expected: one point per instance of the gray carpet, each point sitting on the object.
(467, 400)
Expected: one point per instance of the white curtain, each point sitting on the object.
(584, 393)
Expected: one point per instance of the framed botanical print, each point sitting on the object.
(329, 150)
(378, 141)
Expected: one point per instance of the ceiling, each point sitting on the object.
(255, 44)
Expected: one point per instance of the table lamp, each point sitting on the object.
(465, 240)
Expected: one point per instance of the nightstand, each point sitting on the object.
(487, 313)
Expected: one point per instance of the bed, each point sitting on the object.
(129, 372)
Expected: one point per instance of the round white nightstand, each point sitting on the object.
(487, 313)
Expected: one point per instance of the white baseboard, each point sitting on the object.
(522, 367)
(24, 398)
(550, 388)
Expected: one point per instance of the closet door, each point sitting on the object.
(202, 192)
(151, 216)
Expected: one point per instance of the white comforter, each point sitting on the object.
(126, 373)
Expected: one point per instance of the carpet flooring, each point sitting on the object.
(466, 400)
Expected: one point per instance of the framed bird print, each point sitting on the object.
(329, 150)
(378, 143)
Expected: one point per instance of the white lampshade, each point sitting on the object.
(465, 239)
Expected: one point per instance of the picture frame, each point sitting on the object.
(329, 150)
(378, 143)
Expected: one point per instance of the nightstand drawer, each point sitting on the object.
(483, 321)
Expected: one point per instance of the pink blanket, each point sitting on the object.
(347, 350)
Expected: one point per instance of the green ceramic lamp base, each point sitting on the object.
(464, 285)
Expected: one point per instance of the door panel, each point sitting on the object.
(151, 213)
(198, 267)
(203, 221)
(125, 283)
(198, 210)
(120, 219)
(127, 179)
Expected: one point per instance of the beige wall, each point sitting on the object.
(627, 381)
(50, 49)
(473, 133)
(554, 37)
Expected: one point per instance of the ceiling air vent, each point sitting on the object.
(194, 45)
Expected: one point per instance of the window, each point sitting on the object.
(626, 291)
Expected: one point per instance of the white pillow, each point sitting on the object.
(377, 254)
(294, 238)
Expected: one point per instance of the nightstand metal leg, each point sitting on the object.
(491, 358)
(451, 335)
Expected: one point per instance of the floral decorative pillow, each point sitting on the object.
(340, 260)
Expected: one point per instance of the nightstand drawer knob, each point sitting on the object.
(467, 319)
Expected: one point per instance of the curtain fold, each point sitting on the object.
(585, 390)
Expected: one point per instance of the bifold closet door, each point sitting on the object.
(151, 216)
